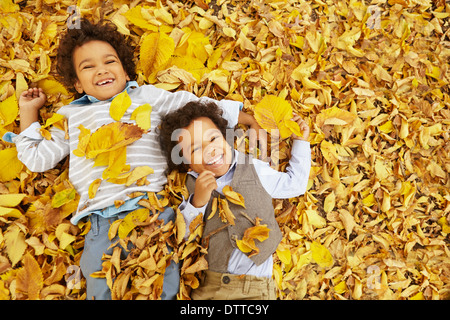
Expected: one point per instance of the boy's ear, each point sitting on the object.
(78, 87)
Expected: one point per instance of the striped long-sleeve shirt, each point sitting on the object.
(40, 154)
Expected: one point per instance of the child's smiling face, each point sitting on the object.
(99, 70)
(205, 148)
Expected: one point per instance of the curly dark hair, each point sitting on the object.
(76, 37)
(181, 118)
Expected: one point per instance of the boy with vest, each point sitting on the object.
(197, 131)
(96, 62)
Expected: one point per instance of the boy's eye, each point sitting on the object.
(110, 61)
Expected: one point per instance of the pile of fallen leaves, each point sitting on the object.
(372, 80)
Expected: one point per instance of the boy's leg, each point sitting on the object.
(95, 244)
(171, 284)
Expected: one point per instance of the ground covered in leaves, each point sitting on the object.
(372, 80)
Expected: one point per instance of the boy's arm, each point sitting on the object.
(35, 152)
(294, 181)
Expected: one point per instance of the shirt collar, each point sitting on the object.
(87, 99)
(230, 169)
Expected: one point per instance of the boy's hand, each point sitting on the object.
(303, 126)
(32, 99)
(204, 186)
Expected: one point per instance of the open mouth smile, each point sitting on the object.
(104, 82)
(215, 160)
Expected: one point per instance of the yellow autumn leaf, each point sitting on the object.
(315, 219)
(444, 225)
(329, 203)
(194, 44)
(180, 223)
(93, 187)
(369, 200)
(329, 152)
(63, 235)
(348, 39)
(142, 116)
(284, 255)
(10, 166)
(53, 88)
(130, 221)
(341, 287)
(136, 16)
(335, 116)
(63, 197)
(111, 137)
(7, 204)
(15, 244)
(224, 211)
(272, 113)
(233, 196)
(156, 51)
(83, 140)
(8, 6)
(247, 243)
(11, 200)
(115, 160)
(303, 72)
(119, 105)
(321, 255)
(138, 173)
(29, 278)
(213, 208)
(9, 212)
(9, 109)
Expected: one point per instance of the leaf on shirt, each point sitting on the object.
(258, 232)
(275, 113)
(57, 120)
(119, 105)
(142, 116)
(83, 140)
(111, 137)
(138, 173)
(233, 196)
(93, 187)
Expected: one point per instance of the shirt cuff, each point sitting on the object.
(190, 212)
(32, 131)
(301, 148)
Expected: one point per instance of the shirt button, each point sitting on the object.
(226, 279)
